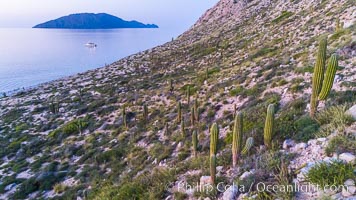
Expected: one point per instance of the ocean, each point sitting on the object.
(29, 57)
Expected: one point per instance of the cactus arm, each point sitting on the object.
(318, 76)
(179, 112)
(214, 135)
(195, 143)
(248, 146)
(268, 130)
(237, 138)
(329, 77)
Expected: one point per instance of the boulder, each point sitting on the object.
(301, 146)
(205, 180)
(347, 157)
(349, 188)
(352, 112)
(231, 193)
(246, 174)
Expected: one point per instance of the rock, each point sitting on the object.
(301, 146)
(231, 193)
(352, 111)
(321, 139)
(348, 191)
(262, 148)
(180, 145)
(349, 182)
(350, 188)
(205, 180)
(348, 157)
(246, 174)
(219, 168)
(9, 187)
(288, 143)
(170, 197)
(336, 196)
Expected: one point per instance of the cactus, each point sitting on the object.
(188, 95)
(166, 129)
(182, 128)
(171, 87)
(212, 169)
(196, 110)
(145, 113)
(54, 107)
(192, 116)
(329, 77)
(179, 111)
(195, 143)
(318, 76)
(197, 114)
(268, 131)
(124, 117)
(207, 73)
(248, 146)
(237, 138)
(214, 136)
(339, 25)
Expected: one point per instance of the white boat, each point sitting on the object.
(91, 45)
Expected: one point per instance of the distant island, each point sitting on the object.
(92, 21)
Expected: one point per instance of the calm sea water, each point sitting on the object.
(32, 56)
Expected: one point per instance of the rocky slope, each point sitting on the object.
(68, 139)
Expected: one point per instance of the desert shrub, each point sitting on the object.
(236, 91)
(303, 70)
(180, 196)
(160, 151)
(59, 188)
(333, 119)
(341, 144)
(283, 16)
(111, 155)
(334, 173)
(12, 115)
(21, 127)
(305, 128)
(148, 185)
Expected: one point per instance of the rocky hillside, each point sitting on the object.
(140, 127)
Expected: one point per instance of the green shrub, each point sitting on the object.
(305, 128)
(283, 16)
(26, 188)
(303, 70)
(12, 115)
(341, 144)
(236, 91)
(333, 119)
(334, 173)
(180, 196)
(21, 127)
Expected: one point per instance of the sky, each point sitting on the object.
(164, 13)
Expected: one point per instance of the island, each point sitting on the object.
(92, 21)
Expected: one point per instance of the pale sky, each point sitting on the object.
(164, 13)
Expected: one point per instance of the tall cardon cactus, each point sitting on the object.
(237, 138)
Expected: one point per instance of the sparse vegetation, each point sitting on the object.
(334, 173)
(171, 114)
